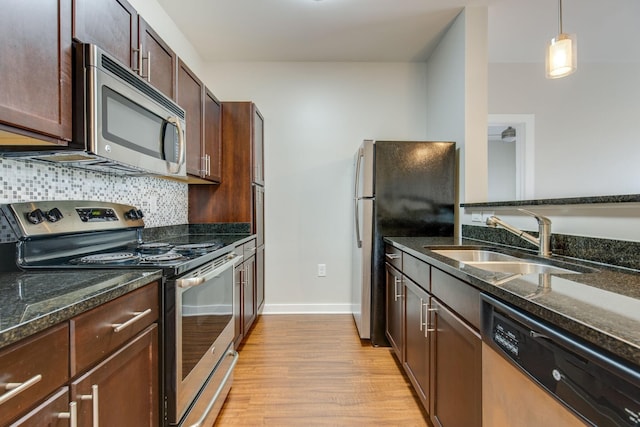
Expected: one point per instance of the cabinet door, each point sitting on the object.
(122, 390)
(260, 278)
(110, 24)
(248, 295)
(158, 60)
(417, 339)
(47, 414)
(35, 67)
(258, 147)
(456, 372)
(190, 92)
(258, 214)
(395, 310)
(212, 137)
(237, 304)
(39, 363)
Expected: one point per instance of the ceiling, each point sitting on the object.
(398, 30)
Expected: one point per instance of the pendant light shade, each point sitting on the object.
(562, 53)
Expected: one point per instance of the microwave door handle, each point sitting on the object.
(181, 145)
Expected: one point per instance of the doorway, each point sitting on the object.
(511, 157)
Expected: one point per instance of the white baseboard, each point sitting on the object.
(307, 309)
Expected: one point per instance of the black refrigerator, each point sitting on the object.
(401, 188)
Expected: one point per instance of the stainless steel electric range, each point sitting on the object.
(197, 295)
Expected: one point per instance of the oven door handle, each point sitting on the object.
(232, 261)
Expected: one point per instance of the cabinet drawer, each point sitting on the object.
(418, 271)
(393, 256)
(98, 332)
(461, 297)
(41, 361)
(249, 249)
(46, 414)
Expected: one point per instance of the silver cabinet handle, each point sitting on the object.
(117, 327)
(208, 165)
(17, 388)
(72, 415)
(423, 317)
(148, 66)
(396, 281)
(94, 404)
(427, 328)
(392, 256)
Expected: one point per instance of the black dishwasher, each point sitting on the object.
(601, 389)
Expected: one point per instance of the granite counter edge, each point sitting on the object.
(32, 327)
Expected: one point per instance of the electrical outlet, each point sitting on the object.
(322, 270)
(476, 216)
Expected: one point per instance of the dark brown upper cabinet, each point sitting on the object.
(190, 96)
(110, 24)
(35, 72)
(158, 60)
(212, 147)
(116, 27)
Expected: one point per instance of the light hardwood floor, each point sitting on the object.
(313, 370)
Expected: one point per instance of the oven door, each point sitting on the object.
(204, 326)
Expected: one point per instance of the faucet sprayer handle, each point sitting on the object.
(541, 219)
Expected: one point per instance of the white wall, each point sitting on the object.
(586, 125)
(316, 115)
(457, 98)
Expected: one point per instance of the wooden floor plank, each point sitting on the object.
(313, 370)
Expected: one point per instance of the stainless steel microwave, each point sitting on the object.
(121, 124)
(120, 117)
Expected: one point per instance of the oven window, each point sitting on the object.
(206, 311)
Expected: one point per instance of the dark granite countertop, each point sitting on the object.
(601, 306)
(623, 198)
(33, 301)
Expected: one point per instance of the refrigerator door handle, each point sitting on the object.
(356, 198)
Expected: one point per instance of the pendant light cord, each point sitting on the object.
(560, 15)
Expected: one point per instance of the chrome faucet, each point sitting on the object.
(543, 241)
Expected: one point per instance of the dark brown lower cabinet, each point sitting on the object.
(417, 363)
(249, 312)
(395, 311)
(53, 412)
(122, 390)
(260, 278)
(456, 374)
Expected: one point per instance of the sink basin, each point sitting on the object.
(518, 267)
(498, 262)
(475, 255)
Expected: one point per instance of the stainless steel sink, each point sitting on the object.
(476, 255)
(498, 262)
(519, 267)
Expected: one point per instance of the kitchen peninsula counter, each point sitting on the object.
(33, 301)
(601, 306)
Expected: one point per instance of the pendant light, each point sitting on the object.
(562, 58)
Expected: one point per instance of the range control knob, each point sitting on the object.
(35, 216)
(133, 214)
(54, 215)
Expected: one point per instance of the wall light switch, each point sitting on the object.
(322, 270)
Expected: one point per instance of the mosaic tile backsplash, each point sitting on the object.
(164, 202)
